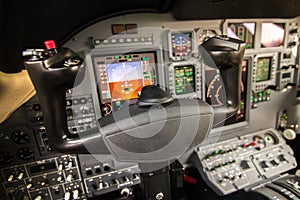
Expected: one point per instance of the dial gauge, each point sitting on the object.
(215, 94)
(270, 139)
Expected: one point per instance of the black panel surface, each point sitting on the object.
(213, 9)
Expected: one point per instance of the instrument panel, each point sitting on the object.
(155, 49)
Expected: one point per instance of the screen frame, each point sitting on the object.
(194, 45)
(102, 52)
(258, 29)
(255, 36)
(269, 69)
(284, 35)
(194, 78)
(199, 81)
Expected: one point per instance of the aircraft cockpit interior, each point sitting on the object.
(150, 100)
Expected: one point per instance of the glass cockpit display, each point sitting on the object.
(181, 44)
(264, 65)
(244, 32)
(121, 77)
(125, 79)
(184, 79)
(216, 96)
(272, 35)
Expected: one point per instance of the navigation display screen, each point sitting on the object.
(263, 72)
(184, 79)
(181, 44)
(243, 31)
(122, 77)
(272, 35)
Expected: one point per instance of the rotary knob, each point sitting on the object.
(20, 137)
(6, 157)
(25, 153)
(126, 192)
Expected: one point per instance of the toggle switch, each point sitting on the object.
(70, 177)
(67, 196)
(75, 194)
(10, 178)
(21, 175)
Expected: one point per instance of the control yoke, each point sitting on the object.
(120, 132)
(226, 54)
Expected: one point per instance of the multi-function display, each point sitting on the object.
(181, 44)
(122, 77)
(184, 79)
(263, 69)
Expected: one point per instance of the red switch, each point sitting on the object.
(189, 179)
(50, 44)
(253, 144)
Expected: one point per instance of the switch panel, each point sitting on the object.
(244, 161)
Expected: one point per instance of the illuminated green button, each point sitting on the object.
(268, 92)
(260, 94)
(145, 59)
(255, 100)
(264, 98)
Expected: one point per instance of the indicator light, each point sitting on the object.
(50, 44)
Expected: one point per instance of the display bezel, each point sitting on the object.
(268, 78)
(254, 35)
(103, 55)
(198, 73)
(193, 45)
(194, 79)
(283, 38)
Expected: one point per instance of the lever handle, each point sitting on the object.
(52, 77)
